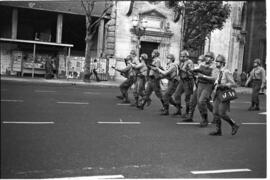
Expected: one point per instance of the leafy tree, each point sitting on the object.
(91, 27)
(200, 19)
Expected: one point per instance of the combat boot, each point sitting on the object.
(120, 97)
(142, 104)
(218, 129)
(166, 111)
(136, 102)
(178, 112)
(189, 117)
(251, 108)
(235, 128)
(204, 123)
(256, 108)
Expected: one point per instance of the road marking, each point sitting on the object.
(254, 123)
(89, 177)
(11, 100)
(24, 122)
(121, 122)
(95, 93)
(262, 113)
(122, 104)
(43, 91)
(72, 103)
(220, 171)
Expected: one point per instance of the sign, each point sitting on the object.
(112, 63)
(17, 61)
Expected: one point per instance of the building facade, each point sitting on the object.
(243, 37)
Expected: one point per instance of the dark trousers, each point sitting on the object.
(172, 85)
(95, 73)
(139, 87)
(203, 97)
(256, 86)
(152, 84)
(126, 85)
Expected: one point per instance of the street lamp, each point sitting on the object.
(139, 26)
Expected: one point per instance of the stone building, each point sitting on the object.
(243, 37)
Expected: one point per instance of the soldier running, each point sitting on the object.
(153, 81)
(223, 82)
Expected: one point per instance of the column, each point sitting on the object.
(59, 28)
(14, 28)
(100, 38)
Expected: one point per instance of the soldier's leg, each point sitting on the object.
(136, 92)
(124, 89)
(177, 97)
(216, 115)
(172, 85)
(202, 105)
(193, 104)
(147, 94)
(188, 88)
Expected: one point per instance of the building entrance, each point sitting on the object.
(148, 47)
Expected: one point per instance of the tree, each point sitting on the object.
(91, 27)
(200, 19)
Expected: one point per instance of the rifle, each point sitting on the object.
(154, 67)
(124, 74)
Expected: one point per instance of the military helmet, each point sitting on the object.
(220, 58)
(201, 58)
(155, 52)
(171, 56)
(210, 54)
(144, 56)
(128, 58)
(185, 53)
(258, 61)
(133, 52)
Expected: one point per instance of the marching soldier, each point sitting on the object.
(257, 78)
(223, 82)
(171, 73)
(141, 69)
(128, 82)
(193, 100)
(186, 80)
(153, 81)
(206, 77)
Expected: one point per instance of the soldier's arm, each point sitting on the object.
(213, 77)
(127, 68)
(229, 77)
(137, 66)
(263, 78)
(166, 72)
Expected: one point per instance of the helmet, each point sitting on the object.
(128, 58)
(171, 56)
(144, 56)
(201, 58)
(258, 61)
(210, 54)
(220, 58)
(185, 53)
(133, 52)
(155, 52)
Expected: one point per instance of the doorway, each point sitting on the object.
(148, 47)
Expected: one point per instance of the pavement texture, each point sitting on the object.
(75, 143)
(242, 90)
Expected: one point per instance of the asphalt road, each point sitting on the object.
(73, 141)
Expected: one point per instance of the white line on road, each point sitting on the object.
(94, 93)
(122, 104)
(121, 122)
(262, 113)
(24, 122)
(254, 123)
(72, 102)
(89, 177)
(43, 91)
(11, 100)
(220, 171)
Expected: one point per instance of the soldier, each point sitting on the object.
(206, 77)
(128, 82)
(186, 82)
(171, 73)
(223, 82)
(141, 68)
(257, 78)
(153, 81)
(193, 100)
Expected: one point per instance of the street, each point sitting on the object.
(50, 131)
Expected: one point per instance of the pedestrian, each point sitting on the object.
(124, 86)
(243, 77)
(94, 70)
(257, 79)
(134, 73)
(141, 68)
(223, 82)
(193, 99)
(171, 73)
(235, 76)
(153, 81)
(48, 69)
(206, 77)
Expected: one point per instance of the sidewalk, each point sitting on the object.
(241, 90)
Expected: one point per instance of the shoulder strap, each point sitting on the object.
(220, 77)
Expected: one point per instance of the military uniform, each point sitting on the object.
(153, 83)
(223, 82)
(205, 88)
(257, 78)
